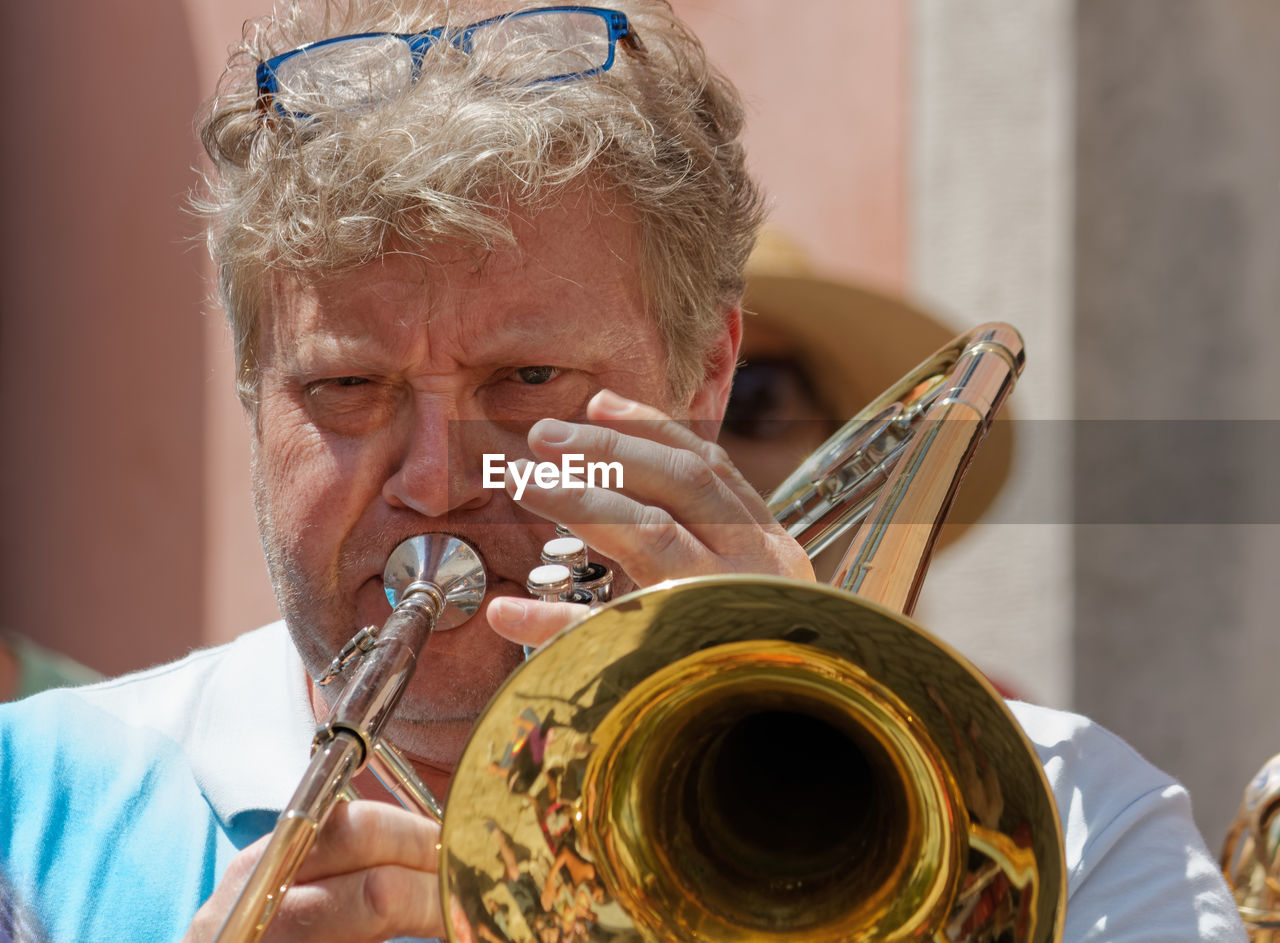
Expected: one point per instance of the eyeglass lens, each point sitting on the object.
(347, 75)
(552, 45)
(357, 72)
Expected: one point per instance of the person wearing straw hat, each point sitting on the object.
(817, 349)
(814, 351)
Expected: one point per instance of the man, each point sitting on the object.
(524, 239)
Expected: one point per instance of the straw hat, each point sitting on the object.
(854, 344)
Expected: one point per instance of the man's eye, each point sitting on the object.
(352, 405)
(319, 386)
(535, 376)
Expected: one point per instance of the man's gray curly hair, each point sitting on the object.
(660, 133)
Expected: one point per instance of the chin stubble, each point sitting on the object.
(309, 612)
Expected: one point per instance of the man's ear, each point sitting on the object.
(710, 400)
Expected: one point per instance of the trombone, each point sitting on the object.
(1250, 855)
(741, 758)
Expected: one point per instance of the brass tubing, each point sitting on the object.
(331, 769)
(888, 559)
(343, 745)
(400, 779)
(1251, 855)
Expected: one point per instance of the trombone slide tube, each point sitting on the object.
(887, 561)
(343, 745)
(331, 769)
(371, 696)
(400, 779)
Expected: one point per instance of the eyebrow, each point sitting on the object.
(358, 351)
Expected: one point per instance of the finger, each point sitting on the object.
(337, 894)
(646, 541)
(367, 906)
(650, 545)
(615, 411)
(715, 522)
(530, 621)
(364, 834)
(661, 534)
(685, 482)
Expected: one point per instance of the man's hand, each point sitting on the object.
(684, 509)
(371, 876)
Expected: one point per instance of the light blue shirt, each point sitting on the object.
(125, 801)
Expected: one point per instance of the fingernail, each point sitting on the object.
(610, 402)
(553, 431)
(508, 610)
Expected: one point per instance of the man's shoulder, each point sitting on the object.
(164, 697)
(151, 699)
(1077, 752)
(1101, 785)
(238, 716)
(1135, 860)
(140, 721)
(98, 778)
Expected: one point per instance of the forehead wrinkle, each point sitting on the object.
(535, 314)
(344, 306)
(352, 348)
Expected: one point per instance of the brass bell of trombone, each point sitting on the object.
(743, 758)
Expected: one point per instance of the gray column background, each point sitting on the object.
(1106, 175)
(1177, 281)
(990, 215)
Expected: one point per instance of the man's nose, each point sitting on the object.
(434, 471)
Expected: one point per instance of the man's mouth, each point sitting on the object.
(506, 569)
(373, 594)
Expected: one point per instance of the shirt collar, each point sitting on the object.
(249, 742)
(239, 713)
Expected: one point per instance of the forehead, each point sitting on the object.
(574, 261)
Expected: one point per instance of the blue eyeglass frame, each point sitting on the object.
(418, 43)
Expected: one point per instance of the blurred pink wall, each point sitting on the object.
(101, 338)
(825, 83)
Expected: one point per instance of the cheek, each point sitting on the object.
(309, 479)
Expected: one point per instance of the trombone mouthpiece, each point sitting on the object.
(446, 563)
